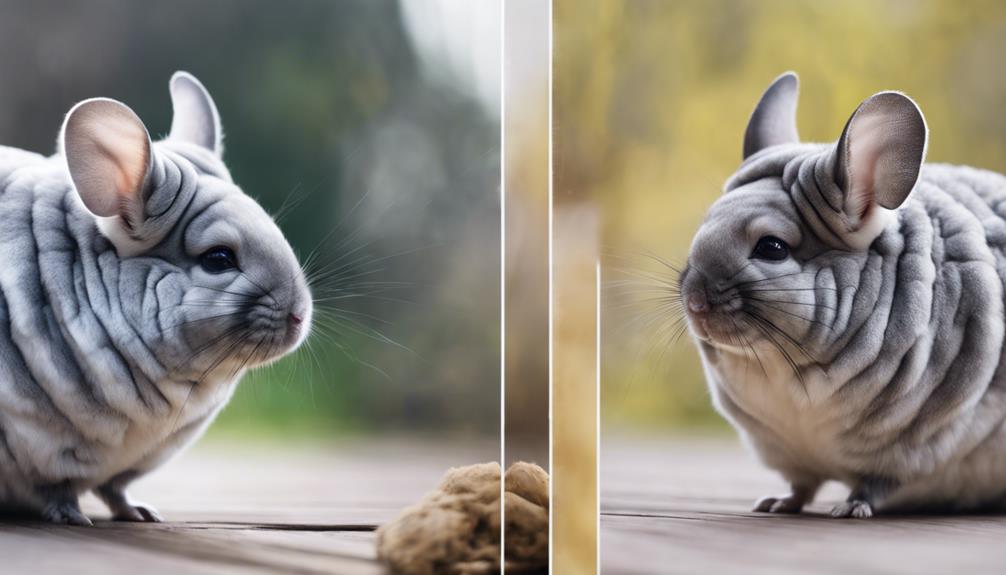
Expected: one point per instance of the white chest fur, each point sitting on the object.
(145, 444)
(784, 419)
(797, 429)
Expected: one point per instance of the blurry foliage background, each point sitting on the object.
(329, 104)
(651, 102)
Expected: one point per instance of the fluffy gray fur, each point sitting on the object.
(872, 353)
(117, 347)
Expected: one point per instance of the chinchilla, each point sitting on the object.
(137, 284)
(847, 302)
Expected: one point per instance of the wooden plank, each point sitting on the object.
(117, 548)
(683, 506)
(236, 509)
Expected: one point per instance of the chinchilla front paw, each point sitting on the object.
(855, 508)
(137, 512)
(122, 507)
(65, 513)
(781, 504)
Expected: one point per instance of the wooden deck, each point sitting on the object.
(241, 509)
(683, 506)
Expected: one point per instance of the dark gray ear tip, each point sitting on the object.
(97, 108)
(196, 119)
(787, 80)
(898, 102)
(773, 121)
(183, 78)
(787, 85)
(901, 106)
(90, 104)
(889, 124)
(182, 81)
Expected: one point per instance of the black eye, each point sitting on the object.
(218, 260)
(771, 248)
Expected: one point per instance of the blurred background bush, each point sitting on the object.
(652, 99)
(374, 126)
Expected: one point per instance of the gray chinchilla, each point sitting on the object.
(847, 301)
(137, 285)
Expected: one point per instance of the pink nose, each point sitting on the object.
(295, 319)
(697, 303)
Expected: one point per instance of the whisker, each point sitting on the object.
(174, 424)
(761, 324)
(773, 278)
(223, 355)
(264, 292)
(202, 319)
(355, 326)
(239, 294)
(738, 272)
(322, 332)
(791, 289)
(799, 346)
(292, 201)
(244, 363)
(798, 316)
(213, 342)
(338, 226)
(663, 261)
(750, 346)
(814, 305)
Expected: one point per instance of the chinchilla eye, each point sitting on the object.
(218, 260)
(771, 248)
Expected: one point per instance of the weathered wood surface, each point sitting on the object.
(245, 509)
(683, 506)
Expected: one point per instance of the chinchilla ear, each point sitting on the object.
(773, 121)
(195, 120)
(107, 152)
(880, 154)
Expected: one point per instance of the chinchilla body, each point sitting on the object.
(848, 303)
(137, 285)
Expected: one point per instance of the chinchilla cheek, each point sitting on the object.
(152, 297)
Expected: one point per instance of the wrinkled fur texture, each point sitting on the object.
(116, 348)
(893, 320)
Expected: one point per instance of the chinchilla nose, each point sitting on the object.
(697, 303)
(295, 319)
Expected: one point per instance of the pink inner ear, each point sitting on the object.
(124, 144)
(866, 144)
(108, 154)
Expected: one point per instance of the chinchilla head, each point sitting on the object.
(795, 226)
(205, 276)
